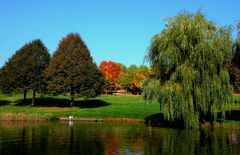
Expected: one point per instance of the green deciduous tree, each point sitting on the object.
(127, 76)
(72, 69)
(24, 70)
(132, 78)
(188, 61)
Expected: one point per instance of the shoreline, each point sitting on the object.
(36, 118)
(22, 117)
(105, 120)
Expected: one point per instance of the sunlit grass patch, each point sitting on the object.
(105, 106)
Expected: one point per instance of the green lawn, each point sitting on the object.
(105, 106)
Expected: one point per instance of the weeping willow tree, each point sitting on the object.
(190, 80)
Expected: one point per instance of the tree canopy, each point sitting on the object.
(188, 60)
(132, 78)
(234, 63)
(24, 70)
(111, 71)
(72, 70)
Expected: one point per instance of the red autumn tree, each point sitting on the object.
(111, 71)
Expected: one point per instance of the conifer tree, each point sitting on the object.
(72, 69)
(188, 61)
(24, 70)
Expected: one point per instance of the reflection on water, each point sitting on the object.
(0, 140)
(99, 138)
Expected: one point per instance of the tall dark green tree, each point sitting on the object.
(24, 70)
(73, 70)
(188, 61)
(234, 63)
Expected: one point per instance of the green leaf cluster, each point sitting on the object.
(129, 79)
(190, 79)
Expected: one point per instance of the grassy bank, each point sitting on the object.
(23, 117)
(132, 107)
(105, 108)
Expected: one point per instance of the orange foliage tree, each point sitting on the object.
(132, 79)
(111, 71)
(138, 76)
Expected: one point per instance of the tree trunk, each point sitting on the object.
(72, 96)
(24, 95)
(72, 100)
(33, 98)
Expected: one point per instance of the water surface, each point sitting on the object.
(100, 138)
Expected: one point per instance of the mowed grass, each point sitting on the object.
(105, 106)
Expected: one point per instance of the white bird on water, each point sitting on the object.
(70, 118)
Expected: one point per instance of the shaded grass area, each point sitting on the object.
(57, 102)
(105, 106)
(4, 102)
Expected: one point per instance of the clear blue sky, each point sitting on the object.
(113, 30)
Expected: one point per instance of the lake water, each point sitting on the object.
(56, 138)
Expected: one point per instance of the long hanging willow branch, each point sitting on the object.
(188, 58)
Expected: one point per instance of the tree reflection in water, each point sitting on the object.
(99, 138)
(0, 140)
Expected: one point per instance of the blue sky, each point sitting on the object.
(113, 30)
